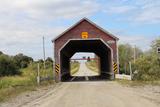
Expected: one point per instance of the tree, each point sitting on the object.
(155, 44)
(1, 52)
(126, 54)
(22, 61)
(84, 57)
(138, 52)
(8, 66)
(40, 61)
(49, 59)
(88, 59)
(148, 65)
(148, 68)
(49, 62)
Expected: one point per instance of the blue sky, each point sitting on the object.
(24, 22)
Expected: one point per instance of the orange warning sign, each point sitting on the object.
(84, 35)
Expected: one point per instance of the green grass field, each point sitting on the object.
(13, 85)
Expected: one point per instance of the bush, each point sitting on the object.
(7, 66)
(148, 68)
(49, 62)
(22, 61)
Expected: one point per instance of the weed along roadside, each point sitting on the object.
(137, 83)
(92, 65)
(11, 86)
(74, 67)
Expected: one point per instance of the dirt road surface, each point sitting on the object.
(96, 94)
(84, 71)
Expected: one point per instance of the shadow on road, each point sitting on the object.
(87, 78)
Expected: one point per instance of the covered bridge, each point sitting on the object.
(85, 36)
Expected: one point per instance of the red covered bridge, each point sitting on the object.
(85, 36)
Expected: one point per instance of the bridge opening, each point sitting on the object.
(97, 46)
(84, 64)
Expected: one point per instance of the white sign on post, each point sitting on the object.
(110, 42)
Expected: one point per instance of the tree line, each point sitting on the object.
(145, 64)
(12, 65)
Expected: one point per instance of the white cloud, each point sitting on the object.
(50, 9)
(119, 9)
(149, 12)
(143, 42)
(135, 11)
(24, 22)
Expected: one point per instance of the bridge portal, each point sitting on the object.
(86, 36)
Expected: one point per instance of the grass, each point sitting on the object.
(11, 86)
(137, 83)
(92, 65)
(10, 92)
(74, 67)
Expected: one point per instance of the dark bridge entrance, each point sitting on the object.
(85, 36)
(96, 46)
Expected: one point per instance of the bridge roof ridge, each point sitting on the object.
(85, 19)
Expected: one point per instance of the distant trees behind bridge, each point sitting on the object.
(145, 65)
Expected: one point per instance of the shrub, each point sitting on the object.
(22, 61)
(7, 66)
(148, 68)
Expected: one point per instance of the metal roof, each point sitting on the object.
(86, 19)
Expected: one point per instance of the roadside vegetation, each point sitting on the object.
(74, 65)
(11, 65)
(146, 66)
(93, 65)
(18, 74)
(137, 83)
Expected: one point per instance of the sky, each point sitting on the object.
(79, 55)
(23, 23)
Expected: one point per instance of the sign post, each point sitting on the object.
(130, 68)
(158, 50)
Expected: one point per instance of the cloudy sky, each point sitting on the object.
(24, 22)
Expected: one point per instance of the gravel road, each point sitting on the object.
(84, 71)
(95, 94)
